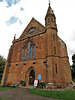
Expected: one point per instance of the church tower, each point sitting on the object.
(58, 69)
(51, 32)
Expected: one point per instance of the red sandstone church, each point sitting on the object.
(38, 51)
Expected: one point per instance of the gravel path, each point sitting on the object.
(21, 94)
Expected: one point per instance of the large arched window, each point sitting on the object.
(28, 51)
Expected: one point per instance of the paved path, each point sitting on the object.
(21, 94)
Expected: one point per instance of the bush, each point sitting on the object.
(22, 82)
(41, 85)
(15, 84)
(8, 84)
(2, 64)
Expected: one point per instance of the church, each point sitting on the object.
(39, 51)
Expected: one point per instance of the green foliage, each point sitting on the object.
(65, 95)
(2, 64)
(22, 82)
(1, 98)
(73, 67)
(73, 59)
(74, 81)
(41, 85)
(5, 88)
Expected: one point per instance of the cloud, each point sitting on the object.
(16, 1)
(13, 20)
(10, 2)
(72, 36)
(71, 42)
(22, 9)
(20, 22)
(1, 0)
(71, 50)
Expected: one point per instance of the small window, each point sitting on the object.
(54, 50)
(24, 63)
(48, 20)
(9, 65)
(51, 19)
(34, 62)
(16, 64)
(32, 30)
(56, 67)
(54, 37)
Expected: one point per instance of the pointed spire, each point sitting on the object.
(49, 11)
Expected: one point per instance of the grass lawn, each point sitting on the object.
(64, 95)
(4, 98)
(5, 88)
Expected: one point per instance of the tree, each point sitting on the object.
(73, 66)
(2, 65)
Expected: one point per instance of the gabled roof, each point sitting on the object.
(32, 24)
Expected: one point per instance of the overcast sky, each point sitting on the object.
(16, 14)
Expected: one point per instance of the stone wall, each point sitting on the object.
(51, 59)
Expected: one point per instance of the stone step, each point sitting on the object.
(28, 86)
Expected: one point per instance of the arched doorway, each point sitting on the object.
(29, 72)
(31, 77)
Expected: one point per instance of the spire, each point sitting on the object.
(50, 19)
(49, 11)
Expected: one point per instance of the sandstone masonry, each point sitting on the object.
(39, 50)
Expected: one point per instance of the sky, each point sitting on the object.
(16, 14)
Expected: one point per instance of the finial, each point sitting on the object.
(14, 36)
(49, 2)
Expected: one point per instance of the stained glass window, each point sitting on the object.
(29, 51)
(25, 53)
(34, 52)
(22, 54)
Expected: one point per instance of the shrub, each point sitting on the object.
(22, 82)
(15, 84)
(41, 85)
(8, 84)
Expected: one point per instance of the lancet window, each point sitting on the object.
(28, 51)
